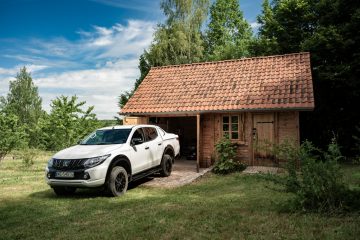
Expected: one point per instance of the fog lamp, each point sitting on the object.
(86, 176)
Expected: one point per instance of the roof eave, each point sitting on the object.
(194, 113)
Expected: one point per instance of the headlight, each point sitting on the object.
(50, 162)
(92, 162)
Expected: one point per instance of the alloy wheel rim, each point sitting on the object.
(120, 182)
(168, 166)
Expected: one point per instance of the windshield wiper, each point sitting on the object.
(102, 143)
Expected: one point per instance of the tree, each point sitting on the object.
(228, 35)
(67, 123)
(179, 40)
(11, 134)
(24, 102)
(266, 43)
(330, 31)
(125, 96)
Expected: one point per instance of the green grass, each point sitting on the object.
(232, 207)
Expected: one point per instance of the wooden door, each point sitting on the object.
(263, 134)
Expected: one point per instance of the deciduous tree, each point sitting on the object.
(229, 34)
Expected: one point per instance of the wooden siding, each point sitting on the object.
(135, 120)
(288, 127)
(285, 127)
(211, 133)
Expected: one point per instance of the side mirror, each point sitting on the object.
(136, 141)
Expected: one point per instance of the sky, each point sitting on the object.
(88, 48)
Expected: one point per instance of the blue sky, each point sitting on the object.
(85, 47)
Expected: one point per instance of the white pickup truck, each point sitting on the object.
(112, 157)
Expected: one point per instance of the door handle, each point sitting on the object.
(146, 148)
(159, 144)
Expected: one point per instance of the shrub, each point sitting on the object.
(11, 134)
(226, 154)
(28, 155)
(319, 186)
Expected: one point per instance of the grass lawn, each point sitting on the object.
(232, 207)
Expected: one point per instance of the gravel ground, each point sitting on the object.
(184, 172)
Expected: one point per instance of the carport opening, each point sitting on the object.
(185, 127)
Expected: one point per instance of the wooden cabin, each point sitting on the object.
(253, 101)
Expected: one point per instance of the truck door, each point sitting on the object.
(155, 144)
(140, 152)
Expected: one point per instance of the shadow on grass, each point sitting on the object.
(87, 192)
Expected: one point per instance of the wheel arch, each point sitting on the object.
(120, 160)
(169, 150)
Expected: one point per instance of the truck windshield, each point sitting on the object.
(106, 136)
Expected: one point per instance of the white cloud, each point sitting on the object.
(255, 25)
(14, 70)
(97, 68)
(120, 40)
(99, 87)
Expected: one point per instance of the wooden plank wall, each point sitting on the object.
(288, 127)
(208, 139)
(211, 133)
(135, 120)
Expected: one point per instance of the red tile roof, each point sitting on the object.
(260, 83)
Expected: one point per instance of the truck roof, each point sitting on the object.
(126, 126)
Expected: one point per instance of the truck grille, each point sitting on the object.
(64, 164)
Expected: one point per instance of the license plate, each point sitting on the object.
(64, 174)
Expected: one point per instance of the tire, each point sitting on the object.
(118, 181)
(64, 191)
(166, 165)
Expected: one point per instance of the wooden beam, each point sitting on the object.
(197, 142)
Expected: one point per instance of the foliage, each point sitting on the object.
(356, 138)
(144, 68)
(176, 41)
(226, 162)
(24, 102)
(228, 34)
(28, 156)
(179, 40)
(11, 133)
(124, 97)
(329, 30)
(320, 184)
(67, 123)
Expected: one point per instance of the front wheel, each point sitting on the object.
(64, 191)
(166, 165)
(118, 181)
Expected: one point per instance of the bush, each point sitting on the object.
(27, 155)
(319, 186)
(226, 154)
(11, 134)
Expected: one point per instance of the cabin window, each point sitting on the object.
(233, 127)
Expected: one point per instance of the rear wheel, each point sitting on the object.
(64, 191)
(118, 181)
(166, 165)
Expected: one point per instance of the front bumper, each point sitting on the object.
(96, 177)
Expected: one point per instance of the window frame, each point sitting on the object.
(230, 124)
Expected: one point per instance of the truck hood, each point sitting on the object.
(86, 151)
